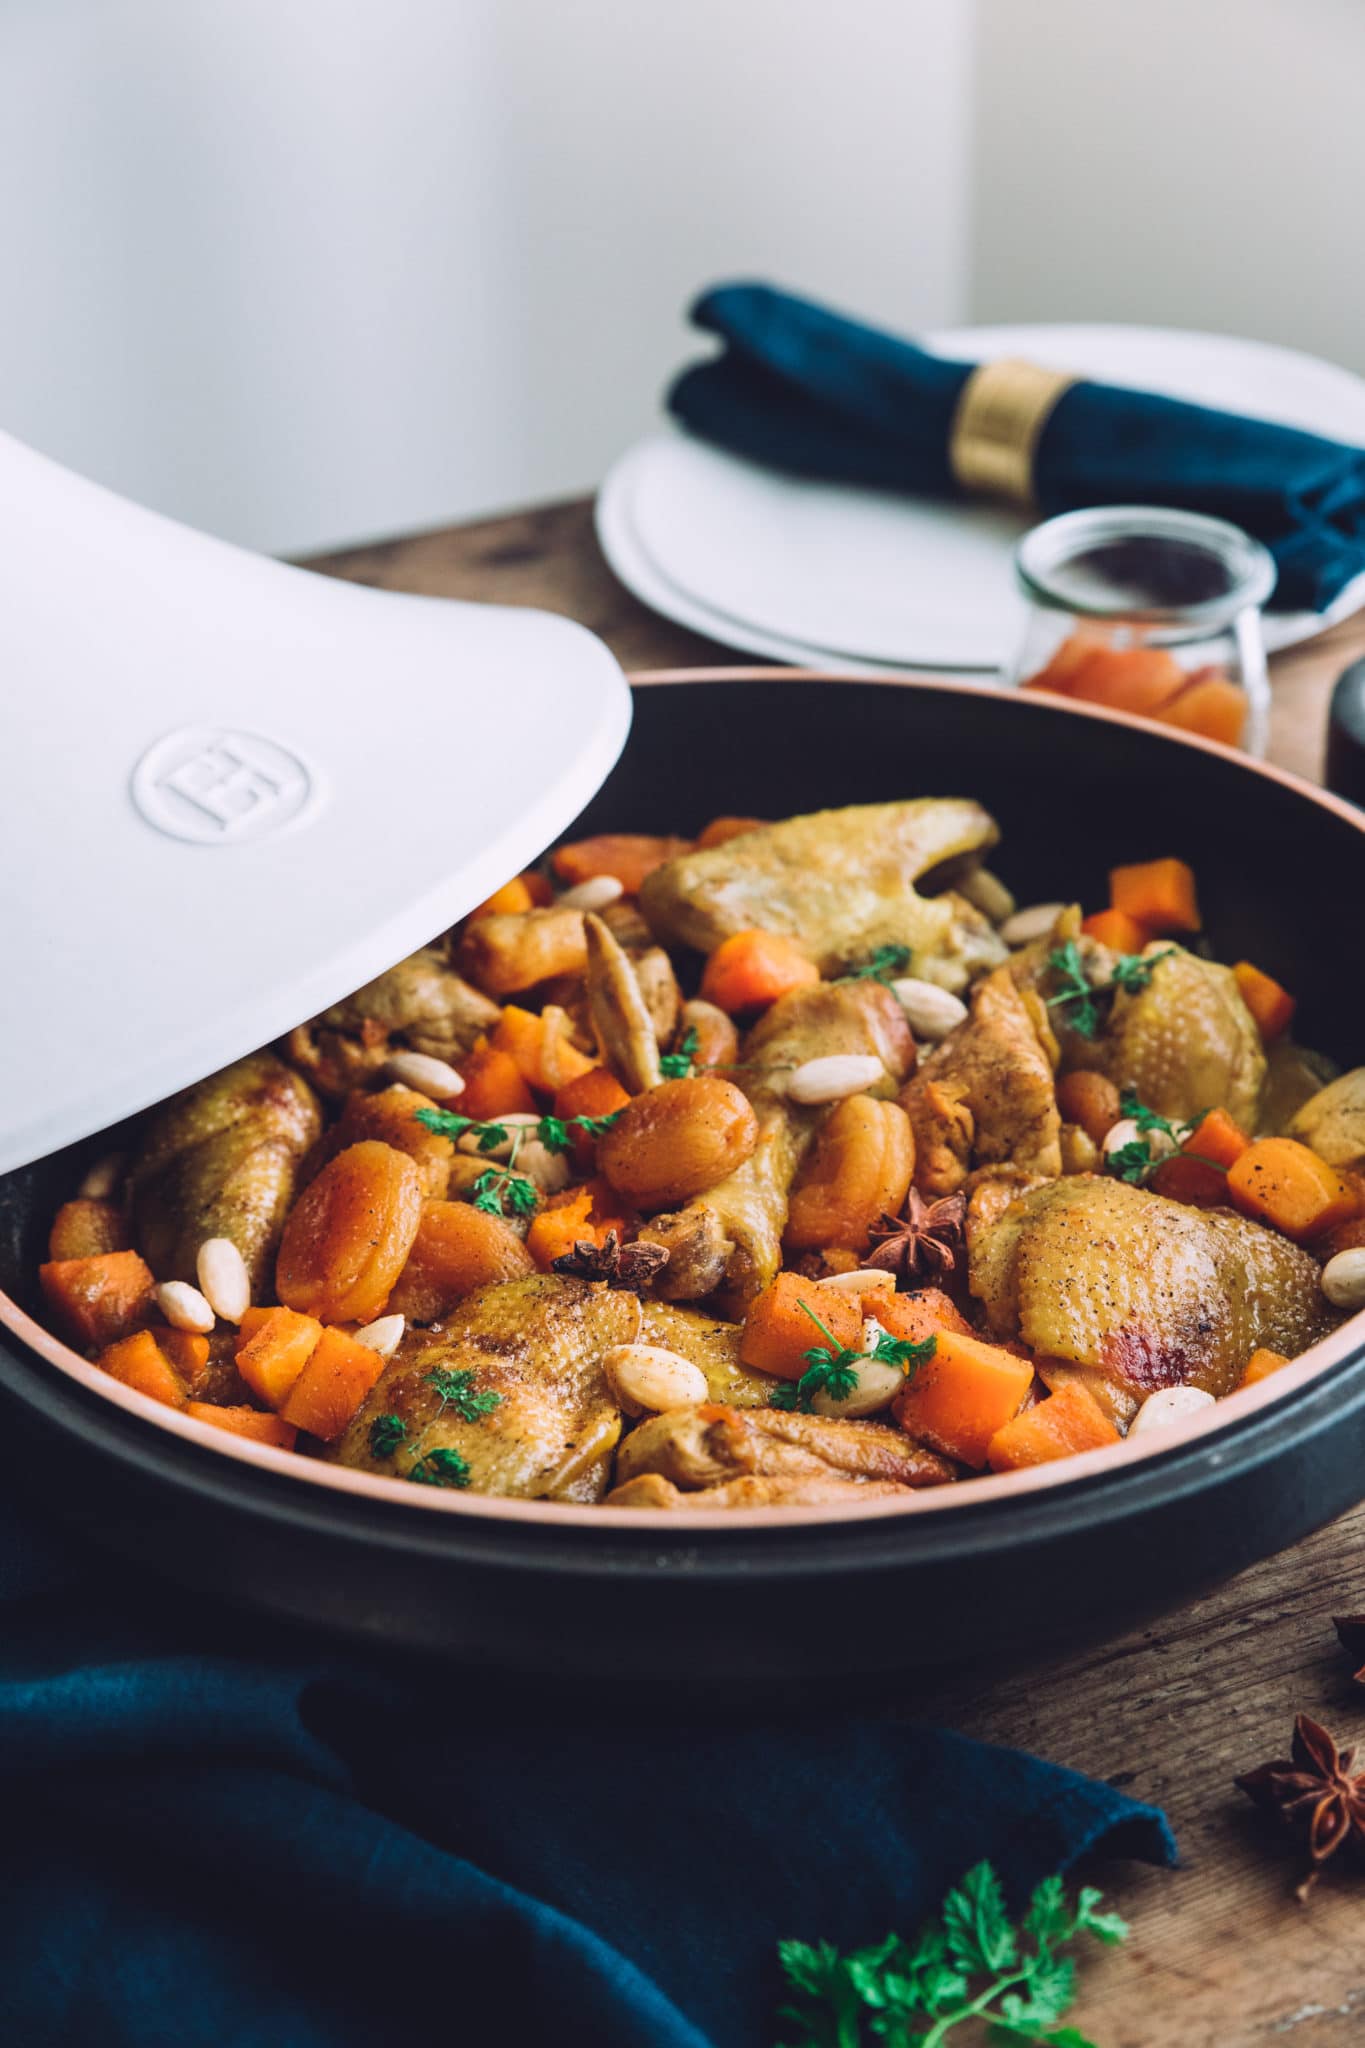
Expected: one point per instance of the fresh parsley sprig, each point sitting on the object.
(454, 1388)
(677, 1066)
(1076, 995)
(888, 963)
(553, 1132)
(1135, 1160)
(832, 1368)
(970, 1964)
(504, 1194)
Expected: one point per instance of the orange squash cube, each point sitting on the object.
(139, 1362)
(273, 1352)
(98, 1300)
(1158, 893)
(332, 1385)
(248, 1422)
(1260, 1365)
(1283, 1183)
(958, 1399)
(1272, 1006)
(1069, 1421)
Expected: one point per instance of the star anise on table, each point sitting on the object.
(631, 1266)
(1315, 1793)
(1350, 1630)
(927, 1237)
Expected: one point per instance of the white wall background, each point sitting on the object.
(301, 271)
(1185, 163)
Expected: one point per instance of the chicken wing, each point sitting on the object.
(1333, 1121)
(222, 1160)
(709, 1445)
(805, 1490)
(1149, 1293)
(841, 883)
(536, 1344)
(420, 1004)
(731, 1237)
(985, 1096)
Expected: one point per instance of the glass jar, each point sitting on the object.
(1152, 611)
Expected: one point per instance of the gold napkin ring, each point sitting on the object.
(1001, 412)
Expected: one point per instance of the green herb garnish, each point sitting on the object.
(456, 1389)
(886, 964)
(440, 1468)
(970, 1964)
(832, 1368)
(1131, 972)
(387, 1432)
(553, 1132)
(677, 1066)
(503, 1194)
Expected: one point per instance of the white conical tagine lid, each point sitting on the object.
(234, 791)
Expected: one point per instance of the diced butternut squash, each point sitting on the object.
(1216, 1137)
(248, 1422)
(98, 1300)
(540, 1047)
(187, 1352)
(751, 969)
(493, 1085)
(917, 1316)
(1069, 1421)
(1115, 929)
(139, 1362)
(596, 1093)
(272, 1352)
(332, 1385)
(959, 1398)
(511, 898)
(1272, 1006)
(779, 1330)
(86, 1229)
(348, 1235)
(1281, 1182)
(1260, 1365)
(457, 1249)
(627, 856)
(721, 830)
(588, 1213)
(1158, 893)
(1209, 705)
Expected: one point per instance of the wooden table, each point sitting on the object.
(1221, 1953)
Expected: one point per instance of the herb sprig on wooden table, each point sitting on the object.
(972, 1963)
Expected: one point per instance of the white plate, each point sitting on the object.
(810, 571)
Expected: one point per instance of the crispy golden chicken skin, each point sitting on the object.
(537, 1345)
(221, 1160)
(731, 1237)
(1333, 1121)
(1145, 1291)
(710, 1445)
(840, 883)
(421, 1005)
(985, 1096)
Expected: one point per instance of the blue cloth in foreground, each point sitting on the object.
(802, 389)
(216, 1833)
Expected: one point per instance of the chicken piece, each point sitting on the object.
(222, 1160)
(985, 1096)
(620, 1015)
(1187, 1042)
(743, 1218)
(536, 1343)
(659, 987)
(709, 1444)
(1293, 1074)
(420, 1004)
(650, 1490)
(1332, 1122)
(1150, 1293)
(511, 951)
(840, 883)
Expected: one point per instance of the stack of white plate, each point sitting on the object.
(830, 576)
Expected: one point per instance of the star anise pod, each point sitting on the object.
(1315, 1793)
(630, 1266)
(927, 1237)
(1350, 1630)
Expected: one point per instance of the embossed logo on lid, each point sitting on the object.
(220, 787)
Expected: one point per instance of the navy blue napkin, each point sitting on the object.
(802, 389)
(213, 1831)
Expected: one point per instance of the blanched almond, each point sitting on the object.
(511, 1121)
(1035, 922)
(1167, 1405)
(384, 1335)
(862, 1282)
(223, 1278)
(932, 1011)
(102, 1179)
(594, 894)
(989, 895)
(184, 1307)
(834, 1076)
(647, 1379)
(1343, 1279)
(427, 1075)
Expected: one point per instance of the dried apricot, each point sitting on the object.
(457, 1249)
(677, 1140)
(349, 1234)
(858, 1170)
